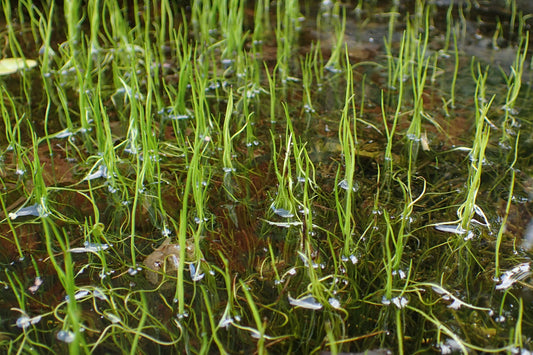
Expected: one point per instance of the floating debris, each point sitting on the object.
(165, 259)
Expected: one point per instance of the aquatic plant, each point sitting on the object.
(236, 176)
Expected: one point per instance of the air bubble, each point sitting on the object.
(36, 284)
(101, 172)
(196, 275)
(353, 259)
(225, 322)
(25, 321)
(334, 303)
(282, 212)
(65, 336)
(165, 232)
(33, 210)
(400, 302)
(308, 302)
(113, 318)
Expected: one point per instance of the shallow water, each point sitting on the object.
(314, 291)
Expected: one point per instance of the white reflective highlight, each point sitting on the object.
(308, 302)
